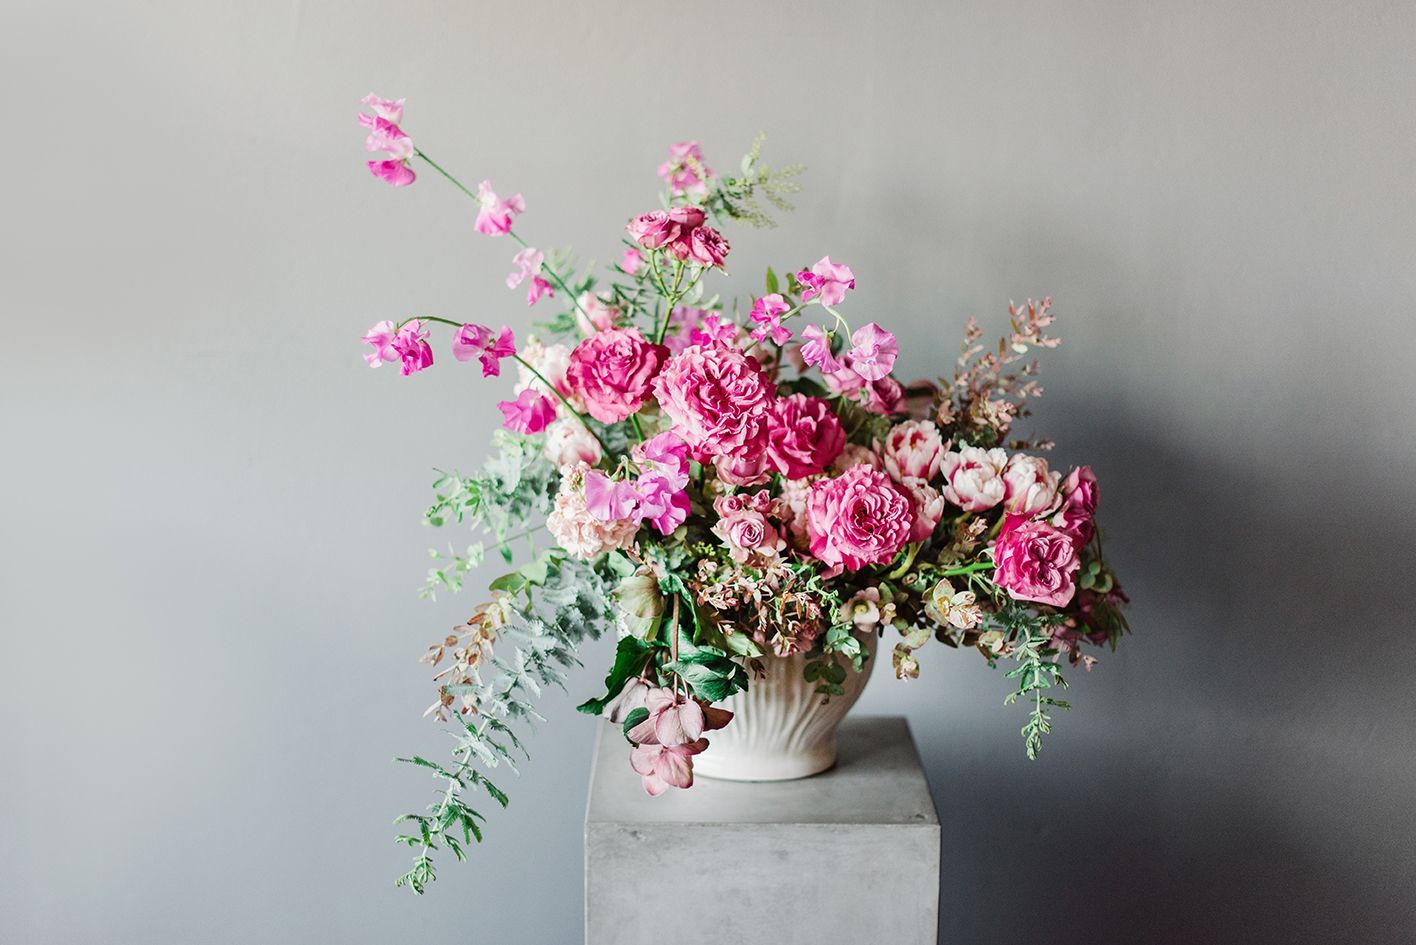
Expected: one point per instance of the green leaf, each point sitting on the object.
(772, 285)
(630, 656)
(634, 718)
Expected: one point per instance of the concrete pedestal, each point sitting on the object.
(849, 856)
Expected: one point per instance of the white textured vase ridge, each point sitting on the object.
(781, 729)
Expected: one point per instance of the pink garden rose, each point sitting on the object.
(861, 517)
(1079, 497)
(704, 245)
(567, 442)
(611, 372)
(477, 341)
(495, 215)
(1036, 562)
(973, 477)
(529, 413)
(660, 228)
(718, 400)
(913, 449)
(1029, 487)
(804, 436)
(744, 525)
(826, 279)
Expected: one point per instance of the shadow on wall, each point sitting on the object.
(1248, 781)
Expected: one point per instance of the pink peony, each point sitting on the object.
(1036, 562)
(685, 172)
(495, 216)
(859, 518)
(611, 372)
(913, 448)
(477, 341)
(873, 352)
(1029, 487)
(826, 279)
(530, 412)
(718, 400)
(928, 505)
(804, 436)
(973, 477)
(767, 312)
(528, 263)
(567, 442)
(1079, 497)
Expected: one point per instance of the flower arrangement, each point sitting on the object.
(724, 485)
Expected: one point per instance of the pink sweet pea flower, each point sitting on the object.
(386, 136)
(397, 173)
(826, 279)
(661, 767)
(713, 329)
(609, 500)
(530, 412)
(495, 216)
(412, 347)
(477, 341)
(662, 500)
(631, 261)
(767, 312)
(684, 171)
(873, 352)
(665, 453)
(385, 108)
(381, 337)
(816, 349)
(528, 263)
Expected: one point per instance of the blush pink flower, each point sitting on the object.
(861, 517)
(528, 266)
(609, 500)
(550, 362)
(662, 501)
(381, 338)
(530, 412)
(685, 172)
(873, 352)
(826, 279)
(567, 442)
(718, 400)
(660, 228)
(913, 449)
(397, 173)
(386, 136)
(1079, 498)
(704, 245)
(885, 397)
(1036, 562)
(575, 529)
(477, 341)
(664, 453)
(410, 343)
(804, 436)
(928, 506)
(973, 477)
(743, 470)
(1029, 487)
(744, 528)
(674, 719)
(631, 262)
(611, 372)
(661, 767)
(713, 328)
(816, 349)
(593, 314)
(495, 216)
(387, 109)
(767, 312)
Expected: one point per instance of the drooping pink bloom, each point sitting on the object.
(530, 412)
(387, 109)
(826, 279)
(713, 328)
(381, 338)
(662, 501)
(685, 172)
(1036, 562)
(674, 719)
(528, 264)
(873, 352)
(412, 347)
(913, 448)
(386, 136)
(1079, 498)
(816, 349)
(611, 372)
(767, 312)
(1029, 487)
(973, 477)
(477, 341)
(804, 436)
(861, 517)
(718, 400)
(609, 500)
(397, 173)
(495, 216)
(631, 262)
(661, 767)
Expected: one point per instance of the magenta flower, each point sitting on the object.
(873, 352)
(705, 246)
(767, 312)
(816, 349)
(826, 279)
(661, 767)
(412, 347)
(381, 337)
(495, 216)
(665, 453)
(530, 412)
(385, 108)
(386, 136)
(477, 341)
(631, 261)
(1036, 562)
(611, 371)
(684, 171)
(609, 500)
(711, 329)
(528, 263)
(662, 501)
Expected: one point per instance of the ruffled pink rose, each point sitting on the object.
(611, 372)
(704, 245)
(661, 228)
(973, 477)
(804, 436)
(1029, 487)
(928, 505)
(1079, 497)
(861, 517)
(1036, 562)
(913, 449)
(718, 399)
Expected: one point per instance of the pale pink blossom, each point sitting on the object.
(913, 448)
(611, 372)
(928, 506)
(528, 266)
(551, 362)
(631, 262)
(575, 529)
(567, 442)
(854, 454)
(861, 517)
(593, 314)
(816, 349)
(864, 609)
(407, 344)
(718, 400)
(748, 532)
(973, 477)
(529, 413)
(804, 436)
(664, 453)
(633, 696)
(495, 215)
(673, 720)
(386, 136)
(381, 338)
(794, 498)
(873, 352)
(662, 228)
(748, 470)
(663, 502)
(1029, 487)
(1036, 562)
(477, 341)
(661, 767)
(767, 312)
(388, 109)
(826, 279)
(1079, 498)
(685, 172)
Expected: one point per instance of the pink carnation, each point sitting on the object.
(1029, 487)
(718, 400)
(973, 477)
(1036, 562)
(1079, 497)
(804, 436)
(913, 448)
(611, 372)
(859, 518)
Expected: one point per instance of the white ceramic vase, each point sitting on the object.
(780, 729)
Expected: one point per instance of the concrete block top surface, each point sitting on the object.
(877, 780)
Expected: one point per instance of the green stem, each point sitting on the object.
(638, 430)
(969, 569)
(561, 397)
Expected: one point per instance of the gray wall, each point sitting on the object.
(211, 534)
